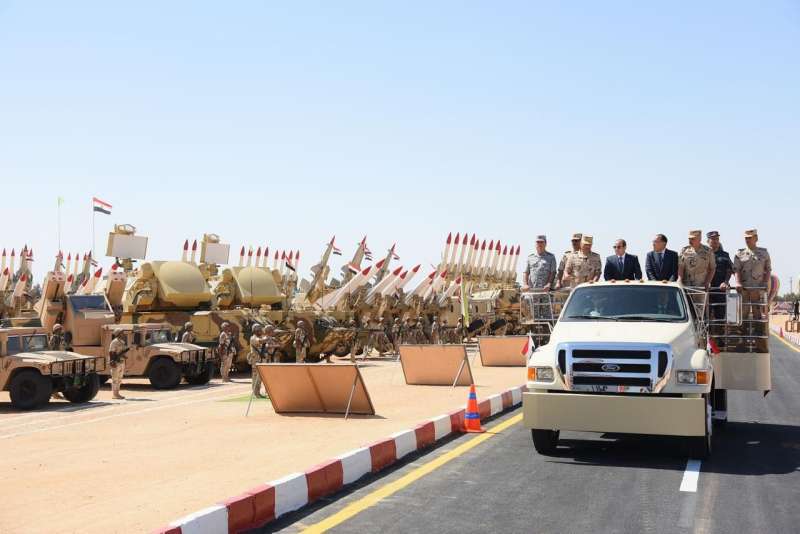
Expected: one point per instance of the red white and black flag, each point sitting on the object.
(101, 206)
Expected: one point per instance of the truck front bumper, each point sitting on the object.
(625, 414)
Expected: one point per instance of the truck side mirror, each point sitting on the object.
(733, 308)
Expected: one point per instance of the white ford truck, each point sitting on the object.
(630, 357)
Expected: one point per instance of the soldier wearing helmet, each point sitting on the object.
(56, 341)
(301, 341)
(226, 349)
(116, 361)
(188, 333)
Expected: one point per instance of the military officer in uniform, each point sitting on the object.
(270, 345)
(436, 335)
(56, 341)
(256, 355)
(583, 265)
(226, 348)
(753, 269)
(696, 263)
(722, 274)
(116, 361)
(419, 331)
(301, 341)
(561, 281)
(540, 274)
(458, 332)
(188, 333)
(396, 333)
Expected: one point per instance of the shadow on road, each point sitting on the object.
(5, 407)
(740, 448)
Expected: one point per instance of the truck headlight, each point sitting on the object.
(540, 374)
(693, 377)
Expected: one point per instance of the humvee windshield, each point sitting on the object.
(31, 343)
(626, 303)
(152, 337)
(88, 303)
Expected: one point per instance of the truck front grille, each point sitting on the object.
(614, 367)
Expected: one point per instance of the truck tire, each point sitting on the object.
(545, 441)
(84, 393)
(102, 379)
(203, 377)
(29, 390)
(700, 446)
(341, 350)
(164, 374)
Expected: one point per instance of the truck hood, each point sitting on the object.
(50, 356)
(679, 335)
(174, 347)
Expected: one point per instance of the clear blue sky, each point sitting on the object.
(283, 124)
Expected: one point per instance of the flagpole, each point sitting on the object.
(93, 216)
(58, 202)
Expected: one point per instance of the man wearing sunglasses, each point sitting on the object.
(622, 266)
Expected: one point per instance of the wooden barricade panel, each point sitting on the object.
(502, 351)
(435, 365)
(315, 388)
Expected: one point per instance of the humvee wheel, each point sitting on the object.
(30, 390)
(84, 393)
(545, 441)
(700, 446)
(202, 377)
(341, 350)
(164, 374)
(102, 379)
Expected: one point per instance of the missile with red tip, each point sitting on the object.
(185, 254)
(194, 251)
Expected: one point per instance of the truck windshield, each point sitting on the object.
(626, 303)
(88, 303)
(152, 337)
(31, 343)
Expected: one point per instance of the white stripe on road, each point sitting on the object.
(690, 476)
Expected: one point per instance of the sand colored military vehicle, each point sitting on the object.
(31, 373)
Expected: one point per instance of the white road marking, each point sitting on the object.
(123, 414)
(691, 476)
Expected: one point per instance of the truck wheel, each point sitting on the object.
(203, 377)
(545, 441)
(84, 393)
(30, 390)
(102, 379)
(341, 350)
(700, 446)
(164, 374)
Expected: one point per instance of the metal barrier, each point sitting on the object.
(539, 310)
(738, 321)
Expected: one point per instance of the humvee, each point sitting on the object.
(31, 373)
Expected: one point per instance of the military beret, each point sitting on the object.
(576, 237)
(541, 238)
(712, 233)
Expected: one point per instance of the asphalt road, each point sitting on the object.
(596, 483)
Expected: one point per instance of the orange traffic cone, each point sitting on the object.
(472, 418)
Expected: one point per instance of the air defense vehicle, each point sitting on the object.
(16, 283)
(31, 373)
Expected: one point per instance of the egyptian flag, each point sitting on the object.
(712, 346)
(336, 251)
(527, 350)
(352, 268)
(101, 206)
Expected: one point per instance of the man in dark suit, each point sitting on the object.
(622, 266)
(662, 263)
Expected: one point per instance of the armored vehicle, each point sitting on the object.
(31, 373)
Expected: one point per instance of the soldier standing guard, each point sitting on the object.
(226, 349)
(188, 333)
(458, 333)
(116, 361)
(436, 336)
(301, 341)
(56, 341)
(583, 265)
(753, 269)
(419, 331)
(270, 344)
(446, 332)
(396, 333)
(255, 356)
(561, 280)
(722, 275)
(696, 263)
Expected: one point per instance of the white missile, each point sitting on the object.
(82, 289)
(92, 283)
(265, 261)
(424, 285)
(451, 289)
(380, 286)
(461, 253)
(470, 254)
(487, 260)
(29, 260)
(447, 246)
(275, 261)
(282, 263)
(297, 261)
(352, 285)
(13, 256)
(476, 270)
(392, 287)
(19, 288)
(438, 282)
(258, 257)
(249, 256)
(495, 258)
(411, 274)
(501, 269)
(194, 251)
(451, 263)
(512, 275)
(3, 264)
(185, 255)
(4, 277)
(241, 257)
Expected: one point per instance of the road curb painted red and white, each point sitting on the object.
(262, 504)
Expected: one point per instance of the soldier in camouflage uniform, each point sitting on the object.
(458, 332)
(116, 361)
(56, 341)
(561, 281)
(256, 355)
(696, 263)
(419, 331)
(397, 328)
(226, 349)
(540, 274)
(584, 265)
(188, 333)
(753, 268)
(301, 342)
(436, 334)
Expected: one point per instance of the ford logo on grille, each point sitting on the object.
(610, 367)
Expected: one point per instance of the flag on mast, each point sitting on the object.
(101, 206)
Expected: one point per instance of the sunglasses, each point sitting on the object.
(619, 246)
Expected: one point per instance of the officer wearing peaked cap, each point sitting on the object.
(753, 268)
(583, 265)
(540, 271)
(696, 263)
(561, 281)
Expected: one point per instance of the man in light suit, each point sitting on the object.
(622, 266)
(662, 263)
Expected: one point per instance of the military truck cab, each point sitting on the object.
(31, 373)
(152, 354)
(623, 357)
